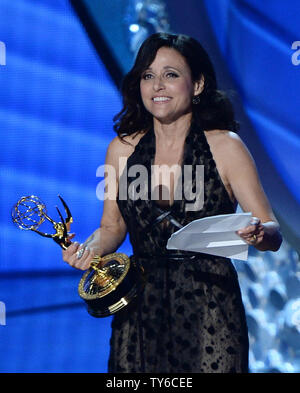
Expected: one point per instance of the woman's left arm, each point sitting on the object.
(240, 170)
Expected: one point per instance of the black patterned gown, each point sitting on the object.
(190, 316)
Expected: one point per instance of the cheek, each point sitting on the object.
(144, 91)
(145, 87)
(188, 88)
(182, 90)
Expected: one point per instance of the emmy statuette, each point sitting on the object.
(109, 284)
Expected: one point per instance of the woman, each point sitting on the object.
(190, 316)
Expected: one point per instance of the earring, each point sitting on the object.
(196, 99)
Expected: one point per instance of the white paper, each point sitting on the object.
(213, 235)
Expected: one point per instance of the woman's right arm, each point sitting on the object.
(112, 232)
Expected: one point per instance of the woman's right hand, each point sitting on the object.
(78, 256)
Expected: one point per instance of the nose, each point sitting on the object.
(158, 83)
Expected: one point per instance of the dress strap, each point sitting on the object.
(162, 215)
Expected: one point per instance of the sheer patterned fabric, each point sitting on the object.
(190, 316)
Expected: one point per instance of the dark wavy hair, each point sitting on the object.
(214, 111)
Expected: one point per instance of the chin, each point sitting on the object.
(164, 119)
(170, 118)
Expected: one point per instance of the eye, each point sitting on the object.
(171, 75)
(146, 76)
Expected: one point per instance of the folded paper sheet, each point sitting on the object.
(213, 235)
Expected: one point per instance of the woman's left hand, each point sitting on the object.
(252, 234)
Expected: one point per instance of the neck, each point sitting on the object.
(170, 133)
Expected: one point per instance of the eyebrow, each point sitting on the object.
(165, 67)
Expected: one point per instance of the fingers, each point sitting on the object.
(70, 251)
(78, 256)
(253, 233)
(71, 236)
(83, 258)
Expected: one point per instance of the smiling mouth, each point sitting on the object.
(161, 99)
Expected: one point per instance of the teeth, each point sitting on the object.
(161, 99)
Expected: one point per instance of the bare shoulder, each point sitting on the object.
(232, 158)
(239, 172)
(219, 137)
(224, 143)
(119, 151)
(125, 147)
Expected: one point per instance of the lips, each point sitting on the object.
(159, 99)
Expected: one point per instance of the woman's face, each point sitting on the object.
(167, 88)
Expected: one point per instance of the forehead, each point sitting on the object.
(169, 57)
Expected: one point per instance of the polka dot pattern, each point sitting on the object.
(190, 316)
